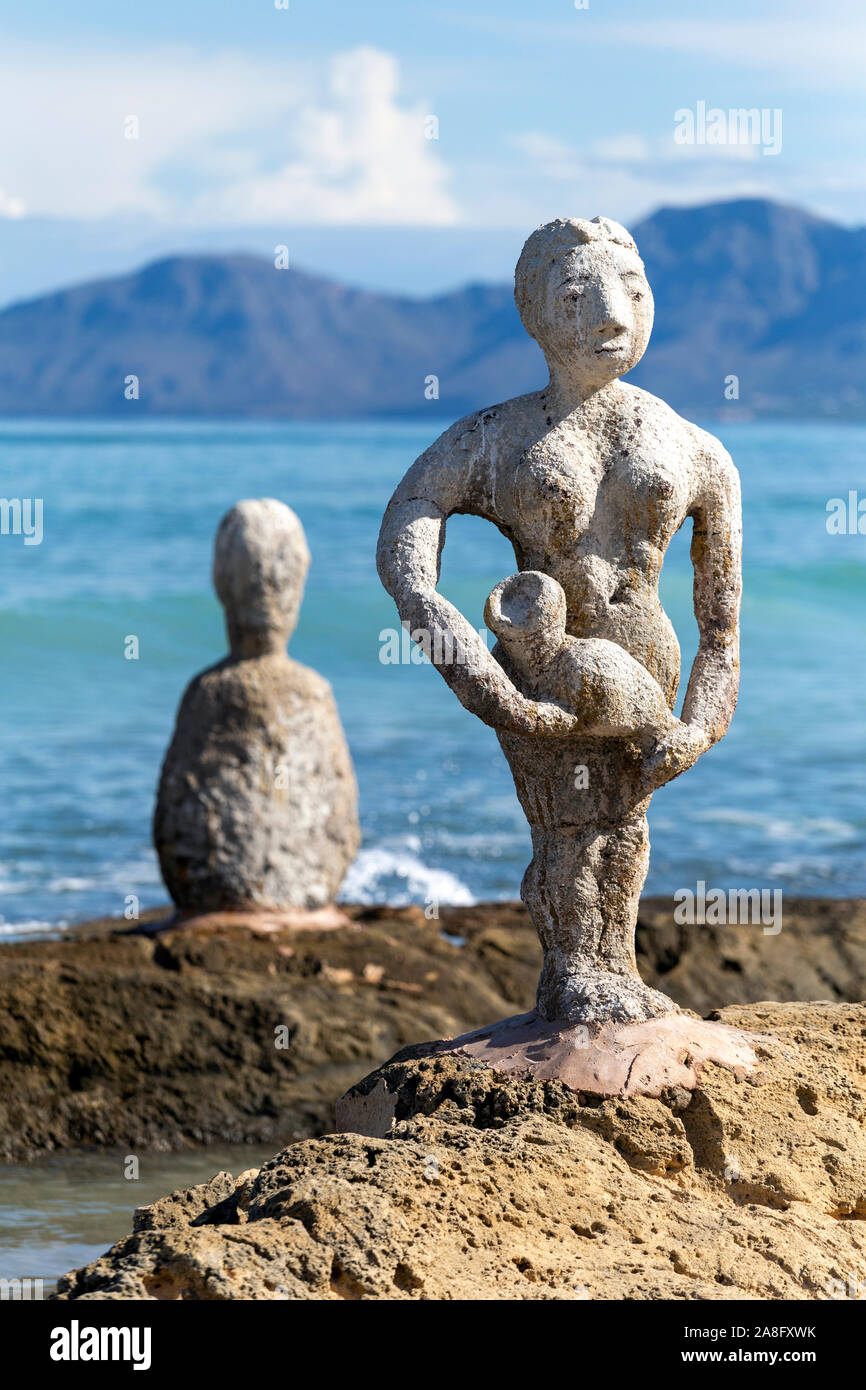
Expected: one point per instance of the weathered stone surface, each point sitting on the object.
(257, 802)
(109, 1038)
(589, 480)
(495, 1188)
(607, 1059)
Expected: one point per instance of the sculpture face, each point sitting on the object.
(596, 312)
(582, 293)
(260, 564)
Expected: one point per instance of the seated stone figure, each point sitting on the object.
(257, 803)
(607, 690)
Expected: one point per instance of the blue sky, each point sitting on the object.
(257, 123)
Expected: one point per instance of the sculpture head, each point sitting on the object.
(527, 613)
(582, 293)
(259, 567)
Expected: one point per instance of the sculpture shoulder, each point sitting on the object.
(308, 683)
(458, 471)
(654, 417)
(205, 688)
(714, 477)
(709, 466)
(232, 686)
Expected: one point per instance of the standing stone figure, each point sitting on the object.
(589, 479)
(257, 802)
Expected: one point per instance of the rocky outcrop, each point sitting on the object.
(195, 1036)
(111, 1038)
(491, 1187)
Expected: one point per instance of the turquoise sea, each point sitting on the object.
(129, 518)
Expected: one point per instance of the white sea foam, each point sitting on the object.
(12, 931)
(124, 878)
(397, 876)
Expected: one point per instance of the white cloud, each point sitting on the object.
(219, 137)
(358, 157)
(10, 206)
(623, 149)
(625, 176)
(552, 158)
(821, 51)
(817, 52)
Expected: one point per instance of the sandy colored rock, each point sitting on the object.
(608, 1059)
(493, 1188)
(109, 1038)
(257, 802)
(260, 919)
(114, 1039)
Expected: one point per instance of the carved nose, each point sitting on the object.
(611, 319)
(610, 324)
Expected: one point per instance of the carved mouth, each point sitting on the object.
(611, 350)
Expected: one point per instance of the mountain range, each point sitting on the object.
(754, 290)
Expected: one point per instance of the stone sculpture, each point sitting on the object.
(589, 479)
(257, 802)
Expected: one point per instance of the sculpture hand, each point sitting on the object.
(674, 752)
(486, 689)
(539, 718)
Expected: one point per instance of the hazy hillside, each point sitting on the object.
(766, 292)
(751, 288)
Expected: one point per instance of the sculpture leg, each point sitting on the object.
(582, 890)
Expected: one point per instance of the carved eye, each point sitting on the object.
(634, 285)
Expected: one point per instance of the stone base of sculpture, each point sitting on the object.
(602, 1059)
(609, 1059)
(262, 920)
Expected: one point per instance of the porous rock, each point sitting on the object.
(492, 1187)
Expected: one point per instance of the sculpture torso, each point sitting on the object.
(257, 799)
(595, 503)
(592, 499)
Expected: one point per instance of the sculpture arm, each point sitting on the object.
(716, 551)
(410, 546)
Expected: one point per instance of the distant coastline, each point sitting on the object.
(237, 336)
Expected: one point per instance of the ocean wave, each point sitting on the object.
(14, 930)
(119, 878)
(399, 877)
(776, 827)
(71, 885)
